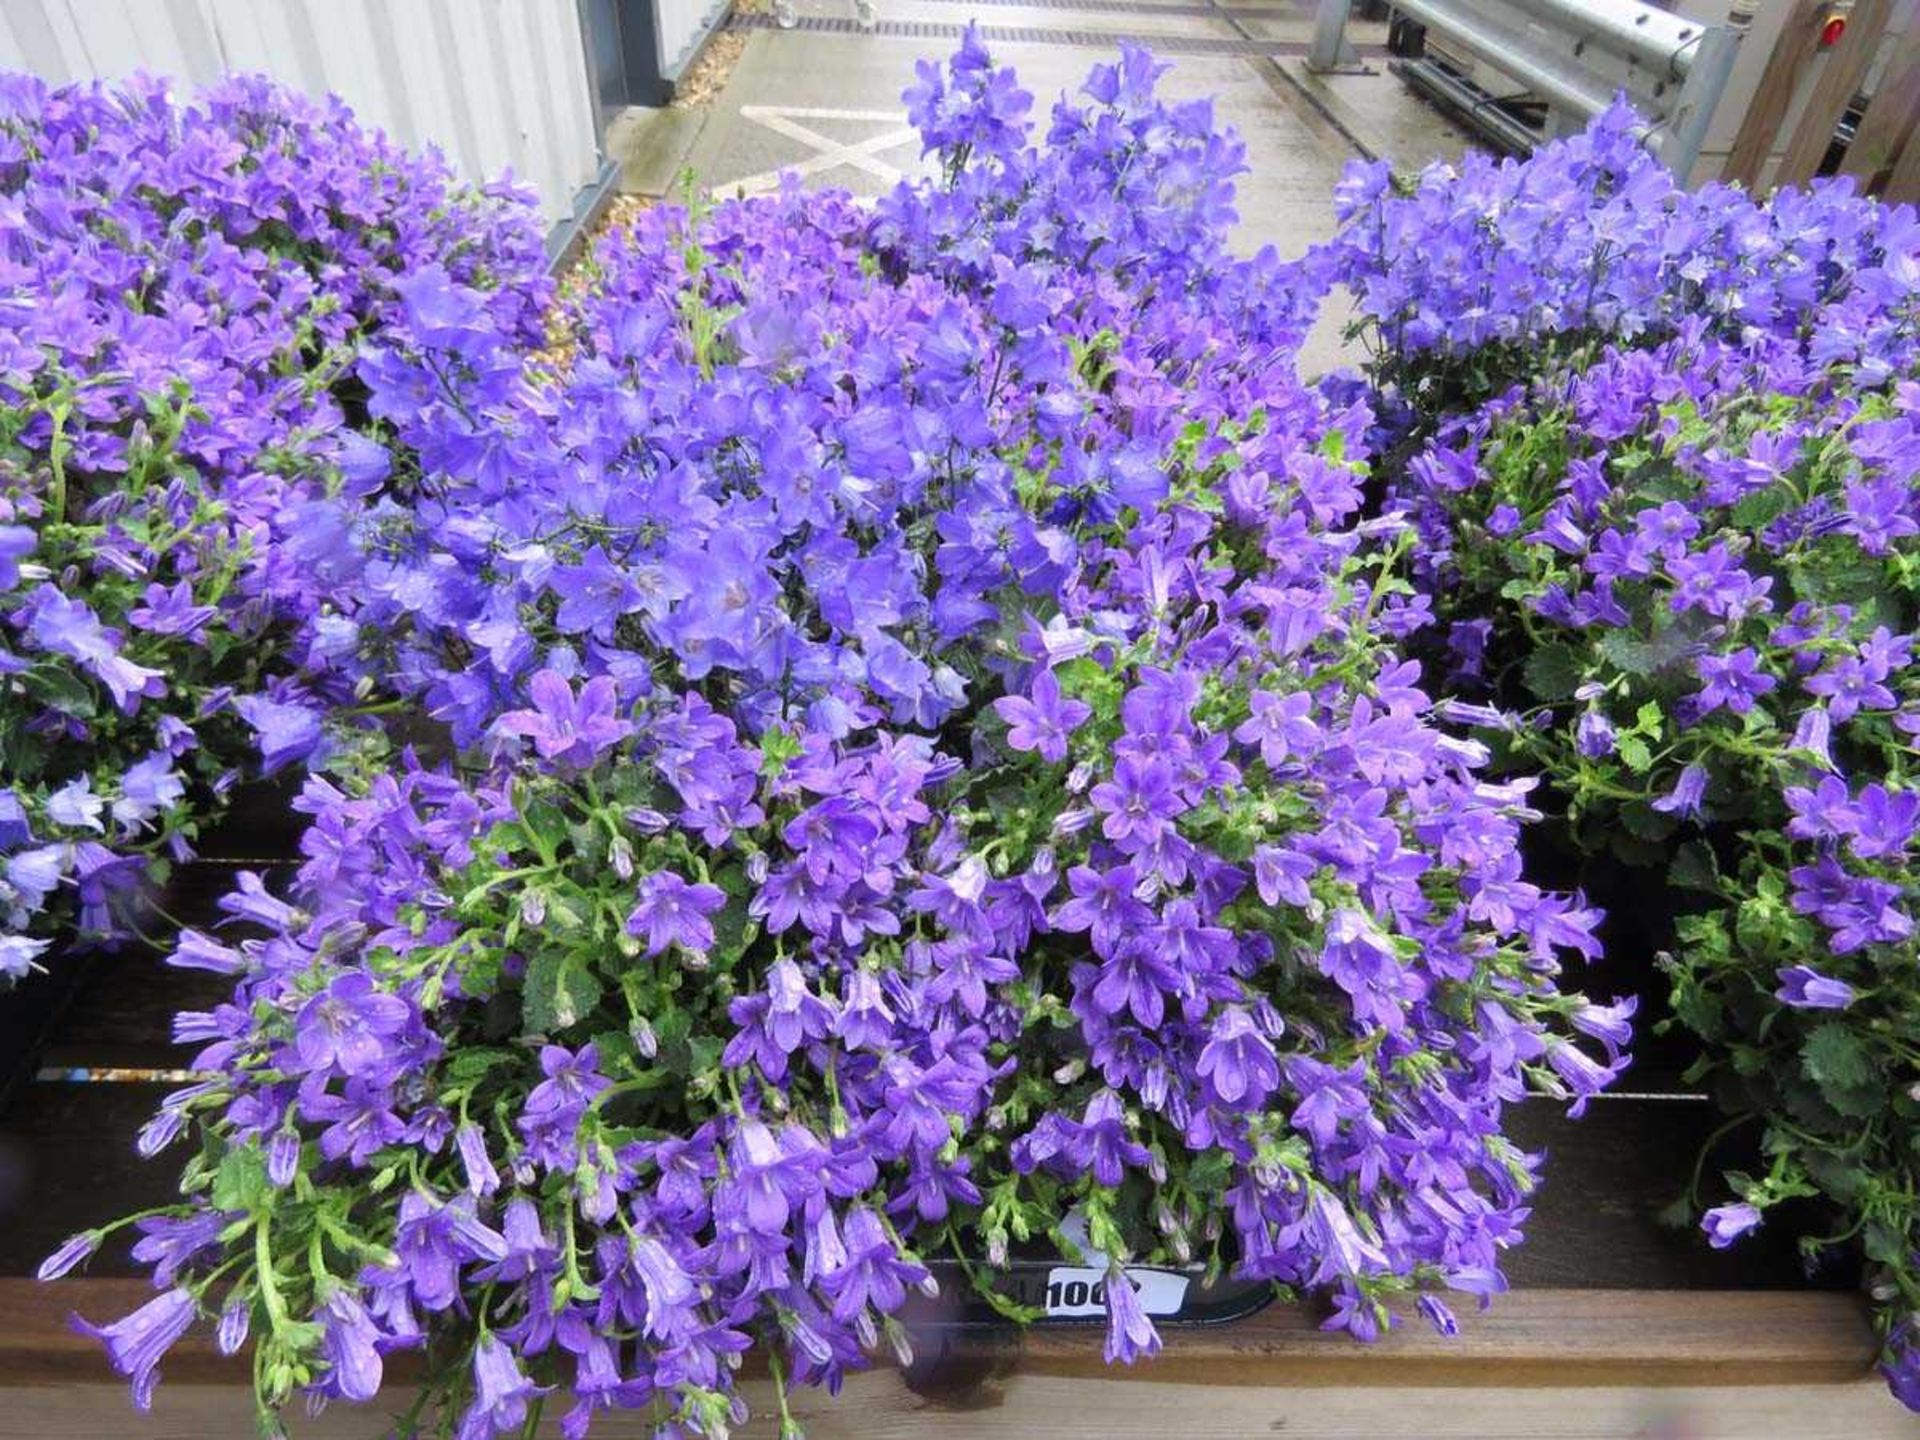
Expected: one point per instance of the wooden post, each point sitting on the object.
(1904, 183)
(1888, 125)
(1793, 47)
(1845, 68)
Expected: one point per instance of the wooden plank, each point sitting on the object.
(1528, 1337)
(1795, 45)
(1887, 128)
(1846, 67)
(876, 1406)
(1903, 185)
(1540, 1364)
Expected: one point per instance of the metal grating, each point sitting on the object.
(1031, 35)
(1296, 10)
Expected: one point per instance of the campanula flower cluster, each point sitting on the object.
(1672, 554)
(182, 290)
(935, 754)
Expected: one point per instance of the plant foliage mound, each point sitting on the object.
(935, 760)
(1661, 452)
(182, 291)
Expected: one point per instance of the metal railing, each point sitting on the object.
(1577, 55)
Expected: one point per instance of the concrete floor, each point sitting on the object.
(828, 104)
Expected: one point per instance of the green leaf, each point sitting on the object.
(1761, 507)
(1837, 1060)
(777, 748)
(1635, 754)
(560, 991)
(1642, 656)
(471, 1063)
(1554, 672)
(546, 826)
(62, 690)
(1695, 868)
(241, 1179)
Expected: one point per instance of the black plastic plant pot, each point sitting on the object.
(1068, 1294)
(960, 1342)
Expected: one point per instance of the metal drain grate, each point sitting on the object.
(1030, 35)
(1299, 10)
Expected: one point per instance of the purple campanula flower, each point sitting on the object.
(1734, 680)
(1824, 811)
(1103, 903)
(1438, 1315)
(1884, 822)
(14, 829)
(1849, 686)
(672, 912)
(438, 309)
(501, 1392)
(1042, 721)
(1806, 989)
(347, 1026)
(16, 543)
(288, 734)
(1237, 1062)
(866, 1021)
(70, 628)
(482, 1178)
(1130, 1331)
(1813, 734)
(1609, 1024)
(572, 1078)
(170, 1243)
(1583, 1076)
(76, 1250)
(1595, 737)
(75, 806)
(35, 874)
(775, 1024)
(1098, 1143)
(670, 1292)
(1138, 802)
(148, 787)
(1688, 796)
(236, 1319)
(137, 1343)
(770, 1175)
(172, 612)
(350, 1346)
(19, 955)
(564, 727)
(1900, 1364)
(1727, 1223)
(1281, 725)
(875, 1272)
(594, 595)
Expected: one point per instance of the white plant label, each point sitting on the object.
(1074, 1290)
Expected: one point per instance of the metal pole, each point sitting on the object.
(1330, 50)
(1712, 64)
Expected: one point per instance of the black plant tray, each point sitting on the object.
(1067, 1293)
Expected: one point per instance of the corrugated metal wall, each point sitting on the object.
(496, 84)
(683, 25)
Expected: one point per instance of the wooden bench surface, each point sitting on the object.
(1617, 1326)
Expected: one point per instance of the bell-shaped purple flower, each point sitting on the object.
(136, 1344)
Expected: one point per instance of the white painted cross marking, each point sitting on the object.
(826, 153)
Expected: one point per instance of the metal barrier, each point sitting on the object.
(1577, 55)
